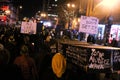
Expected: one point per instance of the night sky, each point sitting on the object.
(30, 7)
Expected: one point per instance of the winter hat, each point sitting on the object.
(58, 64)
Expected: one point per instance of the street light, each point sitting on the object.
(38, 11)
(70, 5)
(43, 15)
(7, 12)
(20, 7)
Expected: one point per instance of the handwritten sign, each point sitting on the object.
(89, 25)
(92, 58)
(77, 56)
(28, 28)
(98, 60)
(116, 60)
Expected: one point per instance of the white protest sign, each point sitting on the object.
(28, 27)
(88, 25)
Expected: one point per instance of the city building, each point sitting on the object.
(52, 8)
(49, 15)
(8, 14)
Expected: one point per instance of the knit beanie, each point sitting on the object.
(58, 64)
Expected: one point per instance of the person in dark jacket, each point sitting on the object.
(91, 39)
(26, 64)
(8, 71)
(114, 43)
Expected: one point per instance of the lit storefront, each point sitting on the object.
(115, 31)
(8, 14)
(101, 29)
(4, 14)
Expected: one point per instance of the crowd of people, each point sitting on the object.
(23, 56)
(29, 57)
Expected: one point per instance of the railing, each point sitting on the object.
(90, 57)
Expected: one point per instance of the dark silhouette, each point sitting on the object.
(91, 39)
(8, 71)
(114, 43)
(26, 64)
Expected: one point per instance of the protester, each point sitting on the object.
(27, 64)
(114, 43)
(110, 38)
(8, 71)
(59, 65)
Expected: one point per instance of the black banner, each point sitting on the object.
(77, 55)
(92, 58)
(89, 59)
(99, 60)
(116, 60)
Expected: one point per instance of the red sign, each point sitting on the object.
(4, 8)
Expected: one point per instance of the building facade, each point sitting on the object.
(8, 14)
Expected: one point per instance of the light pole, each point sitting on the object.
(19, 8)
(71, 8)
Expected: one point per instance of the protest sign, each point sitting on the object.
(88, 25)
(28, 28)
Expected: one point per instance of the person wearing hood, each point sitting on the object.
(58, 65)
